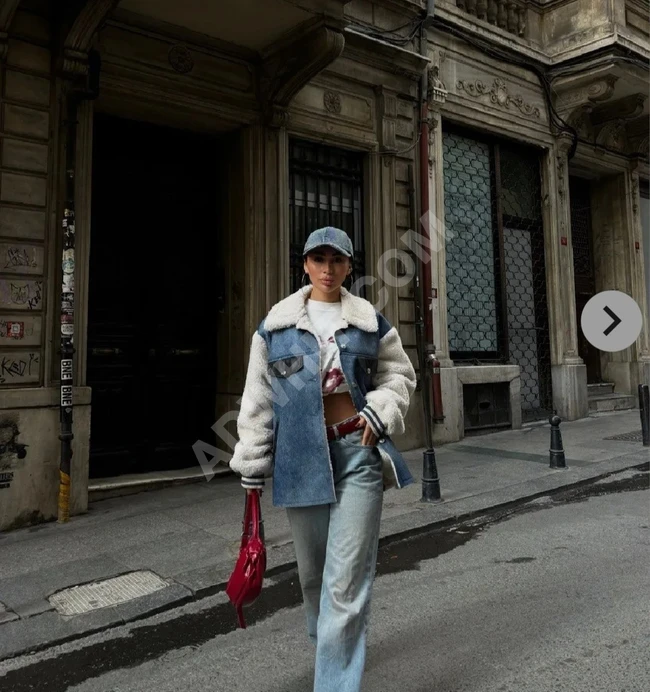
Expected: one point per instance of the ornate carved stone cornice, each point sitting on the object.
(638, 132)
(498, 95)
(613, 136)
(288, 69)
(387, 116)
(580, 120)
(384, 56)
(594, 91)
(7, 11)
(618, 125)
(79, 39)
(626, 108)
(437, 90)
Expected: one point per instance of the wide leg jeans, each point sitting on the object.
(336, 551)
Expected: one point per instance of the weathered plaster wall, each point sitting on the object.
(26, 200)
(29, 457)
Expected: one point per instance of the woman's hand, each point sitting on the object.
(369, 438)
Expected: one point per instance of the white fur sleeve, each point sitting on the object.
(253, 454)
(387, 405)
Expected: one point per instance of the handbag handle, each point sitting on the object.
(251, 515)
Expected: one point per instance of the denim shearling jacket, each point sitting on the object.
(281, 425)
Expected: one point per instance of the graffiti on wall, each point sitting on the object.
(16, 368)
(21, 295)
(19, 258)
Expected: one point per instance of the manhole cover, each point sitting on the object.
(634, 436)
(108, 592)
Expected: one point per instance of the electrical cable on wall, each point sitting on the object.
(543, 75)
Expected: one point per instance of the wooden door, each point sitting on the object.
(152, 299)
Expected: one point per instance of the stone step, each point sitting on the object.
(600, 388)
(611, 402)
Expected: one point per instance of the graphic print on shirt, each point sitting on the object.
(325, 317)
(333, 376)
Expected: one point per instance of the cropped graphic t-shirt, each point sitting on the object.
(326, 317)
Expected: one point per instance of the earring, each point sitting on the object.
(304, 281)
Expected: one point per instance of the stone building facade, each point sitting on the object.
(209, 142)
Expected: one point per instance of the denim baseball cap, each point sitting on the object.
(334, 237)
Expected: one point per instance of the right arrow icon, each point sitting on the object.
(611, 321)
(614, 324)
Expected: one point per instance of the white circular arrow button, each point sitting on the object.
(611, 321)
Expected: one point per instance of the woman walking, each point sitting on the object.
(328, 383)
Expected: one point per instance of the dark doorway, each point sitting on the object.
(583, 268)
(152, 299)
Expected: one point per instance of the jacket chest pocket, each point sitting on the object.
(285, 367)
(367, 366)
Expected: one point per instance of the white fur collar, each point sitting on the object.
(291, 311)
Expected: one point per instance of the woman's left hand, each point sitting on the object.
(369, 437)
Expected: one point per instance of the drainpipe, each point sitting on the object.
(430, 348)
(430, 367)
(73, 98)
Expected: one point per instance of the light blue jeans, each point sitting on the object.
(336, 551)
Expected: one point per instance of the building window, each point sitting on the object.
(496, 278)
(326, 189)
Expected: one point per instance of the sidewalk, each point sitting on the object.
(189, 535)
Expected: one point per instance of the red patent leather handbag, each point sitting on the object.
(245, 583)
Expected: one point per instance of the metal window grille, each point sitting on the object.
(325, 189)
(496, 276)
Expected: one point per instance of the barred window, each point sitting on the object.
(472, 282)
(325, 189)
(496, 278)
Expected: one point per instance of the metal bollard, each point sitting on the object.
(644, 408)
(430, 480)
(556, 451)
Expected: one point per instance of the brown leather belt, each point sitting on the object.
(334, 432)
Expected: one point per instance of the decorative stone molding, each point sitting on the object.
(79, 39)
(626, 108)
(288, 69)
(277, 117)
(436, 91)
(506, 14)
(380, 55)
(595, 91)
(637, 136)
(643, 148)
(613, 135)
(387, 113)
(332, 102)
(180, 58)
(634, 192)
(499, 95)
(580, 120)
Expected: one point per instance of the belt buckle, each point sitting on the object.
(337, 436)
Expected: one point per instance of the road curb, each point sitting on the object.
(83, 626)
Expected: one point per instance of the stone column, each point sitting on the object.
(256, 248)
(618, 259)
(382, 238)
(639, 278)
(438, 250)
(569, 373)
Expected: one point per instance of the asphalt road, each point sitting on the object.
(548, 597)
